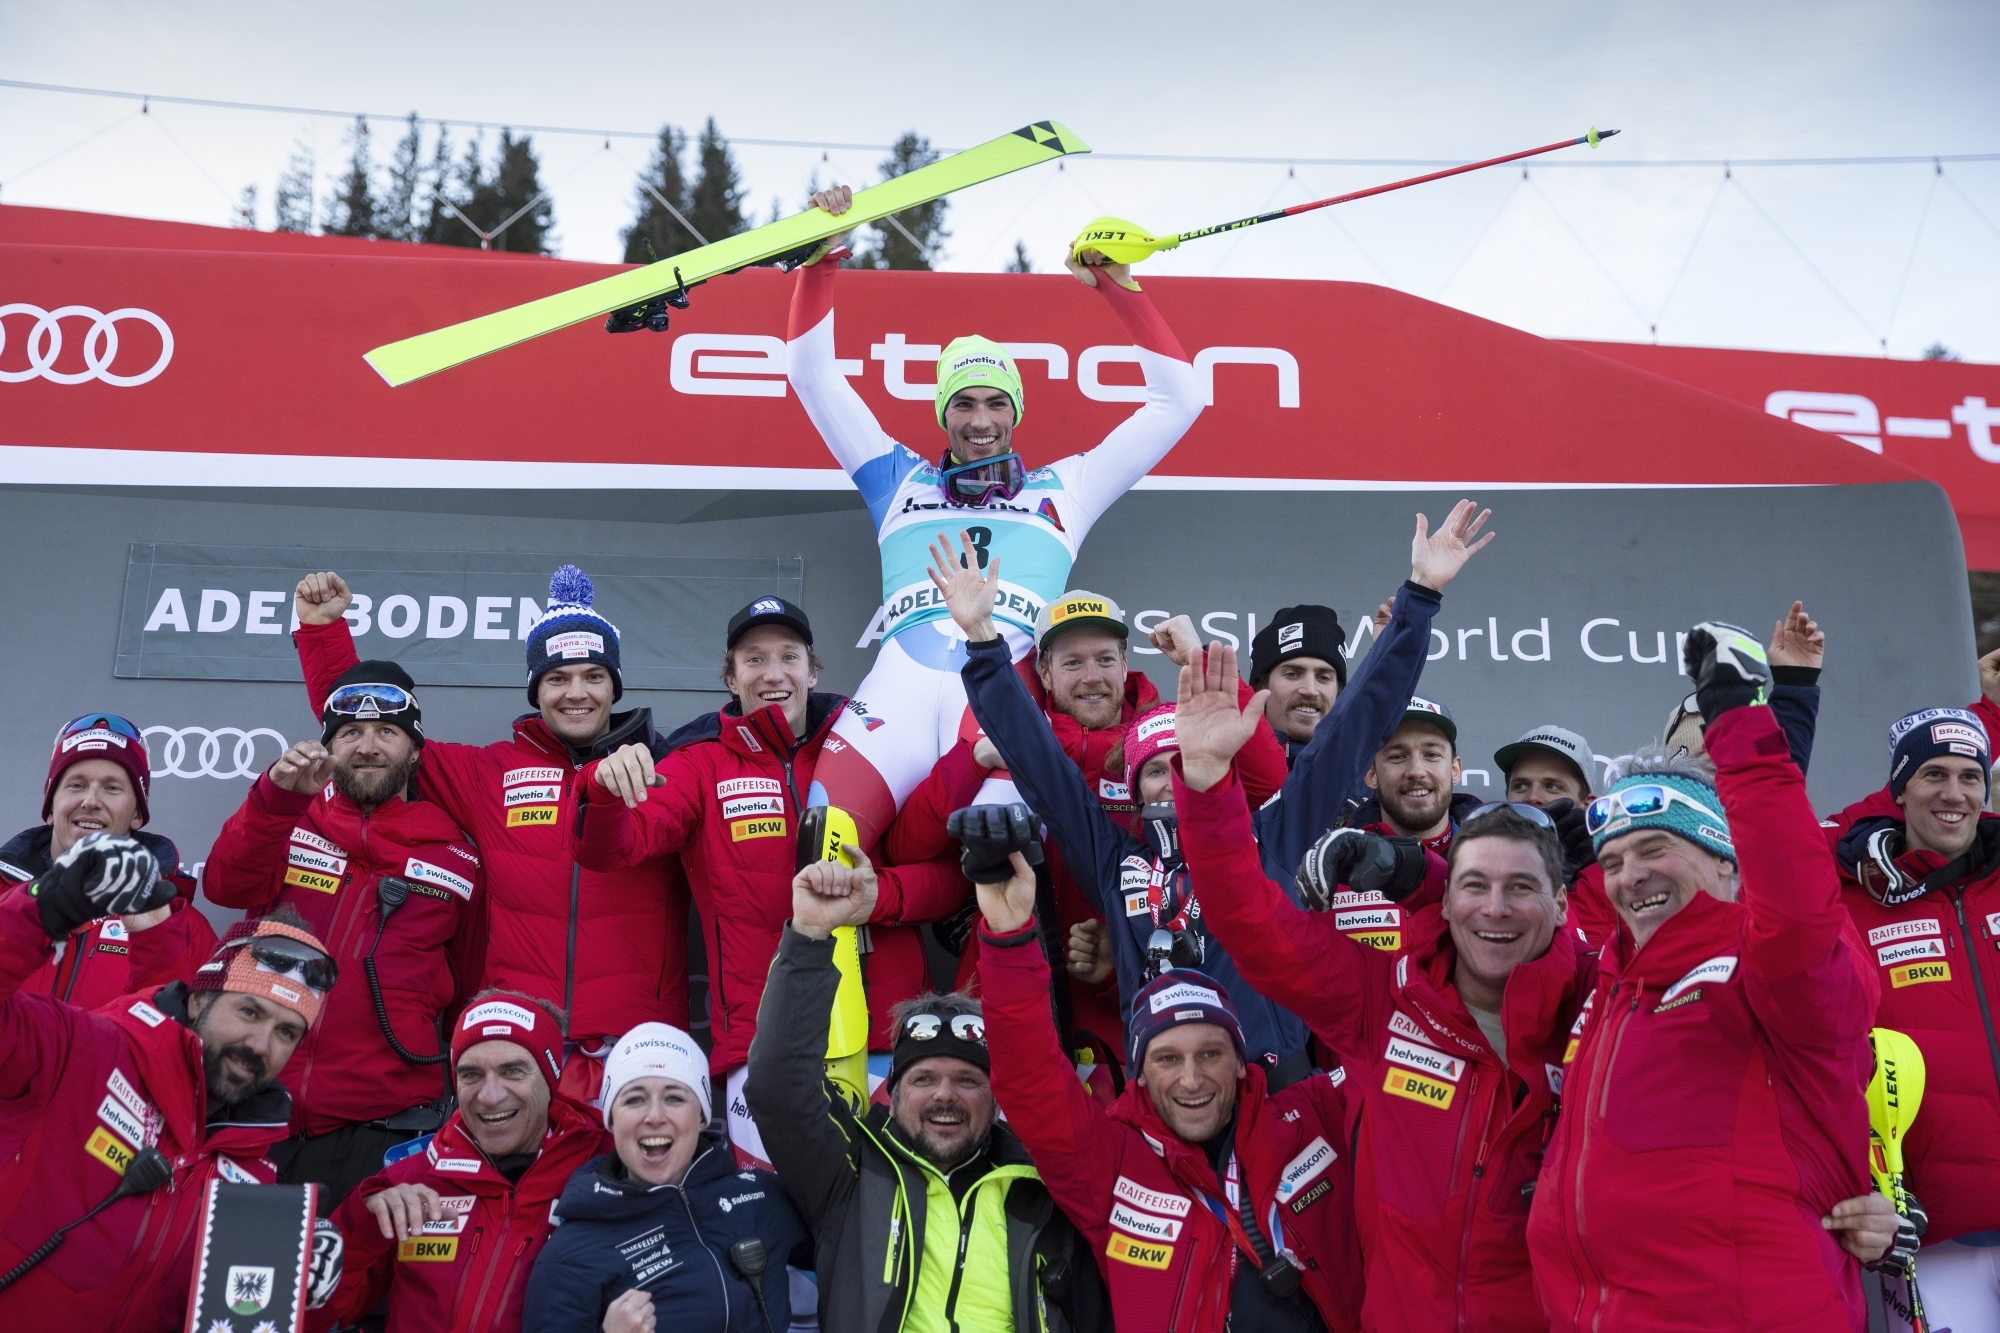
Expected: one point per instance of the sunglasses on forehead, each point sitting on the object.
(288, 957)
(926, 1027)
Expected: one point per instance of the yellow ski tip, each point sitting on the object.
(1053, 134)
(386, 352)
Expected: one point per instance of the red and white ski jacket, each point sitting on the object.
(1716, 1106)
(730, 809)
(100, 962)
(1168, 1235)
(80, 1094)
(324, 856)
(610, 947)
(468, 1271)
(1450, 1138)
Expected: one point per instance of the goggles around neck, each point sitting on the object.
(1638, 803)
(288, 957)
(369, 700)
(982, 481)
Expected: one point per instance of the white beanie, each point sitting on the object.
(655, 1050)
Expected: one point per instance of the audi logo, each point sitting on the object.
(100, 345)
(206, 747)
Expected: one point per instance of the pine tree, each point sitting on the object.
(439, 227)
(246, 209)
(715, 205)
(655, 224)
(1020, 263)
(920, 238)
(396, 215)
(351, 210)
(516, 183)
(292, 201)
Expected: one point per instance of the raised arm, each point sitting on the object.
(1294, 957)
(1798, 648)
(1073, 1142)
(1174, 398)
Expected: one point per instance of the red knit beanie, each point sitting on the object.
(100, 736)
(1151, 732)
(529, 1023)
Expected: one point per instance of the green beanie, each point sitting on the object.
(974, 361)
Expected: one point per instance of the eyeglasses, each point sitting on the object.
(1534, 814)
(1638, 803)
(370, 700)
(292, 958)
(966, 1027)
(983, 480)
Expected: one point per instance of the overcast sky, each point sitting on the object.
(1599, 253)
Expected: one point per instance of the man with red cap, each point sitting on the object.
(113, 1123)
(334, 830)
(98, 781)
(1212, 1202)
(448, 1235)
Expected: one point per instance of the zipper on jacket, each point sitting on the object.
(965, 1215)
(74, 957)
(486, 1278)
(715, 973)
(1596, 1097)
(1472, 1192)
(569, 956)
(471, 1262)
(346, 914)
(1978, 980)
(721, 1276)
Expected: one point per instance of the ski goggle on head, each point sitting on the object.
(288, 957)
(369, 700)
(1638, 803)
(983, 481)
(99, 726)
(927, 1027)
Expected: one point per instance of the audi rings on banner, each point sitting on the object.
(100, 344)
(197, 752)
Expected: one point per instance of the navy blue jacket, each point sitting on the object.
(1102, 855)
(614, 1233)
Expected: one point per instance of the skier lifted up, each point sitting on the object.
(911, 707)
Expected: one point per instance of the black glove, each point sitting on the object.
(1729, 668)
(1574, 836)
(100, 875)
(1910, 1229)
(327, 1253)
(989, 833)
(1365, 862)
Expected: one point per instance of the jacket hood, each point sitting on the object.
(1536, 991)
(569, 1124)
(28, 852)
(603, 1191)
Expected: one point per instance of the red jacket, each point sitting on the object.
(98, 962)
(610, 948)
(1939, 970)
(1591, 916)
(80, 1093)
(325, 856)
(1145, 1200)
(1716, 1092)
(730, 808)
(1450, 1139)
(468, 1273)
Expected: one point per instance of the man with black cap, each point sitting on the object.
(100, 775)
(729, 804)
(925, 1213)
(611, 948)
(336, 832)
(1301, 658)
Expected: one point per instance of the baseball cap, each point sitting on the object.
(1432, 713)
(1074, 609)
(1556, 741)
(770, 611)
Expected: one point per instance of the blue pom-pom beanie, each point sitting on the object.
(571, 631)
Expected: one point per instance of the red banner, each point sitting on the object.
(214, 357)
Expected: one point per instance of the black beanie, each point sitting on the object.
(1299, 631)
(408, 716)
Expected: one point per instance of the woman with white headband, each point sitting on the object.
(665, 1231)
